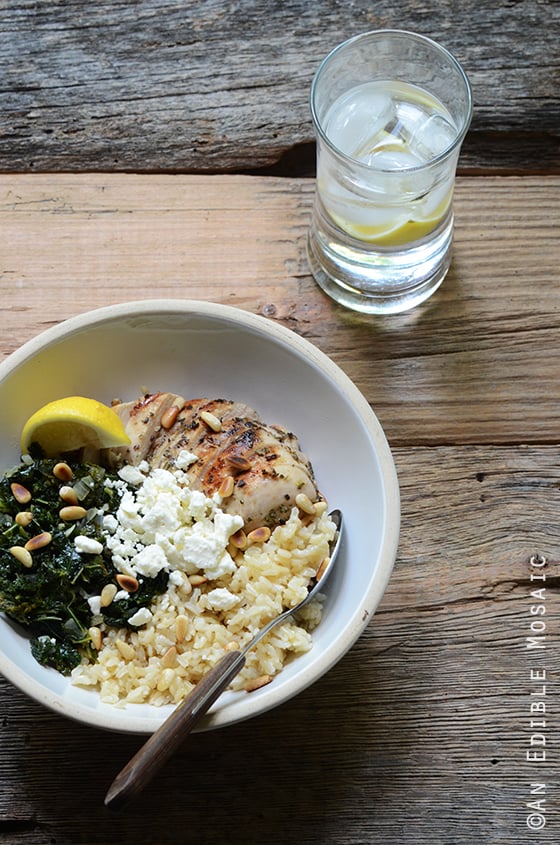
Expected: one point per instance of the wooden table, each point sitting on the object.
(442, 723)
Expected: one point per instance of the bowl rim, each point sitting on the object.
(242, 708)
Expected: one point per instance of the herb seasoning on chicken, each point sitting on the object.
(260, 466)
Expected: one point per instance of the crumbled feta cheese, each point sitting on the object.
(116, 484)
(128, 511)
(185, 459)
(94, 604)
(227, 524)
(204, 551)
(120, 595)
(87, 545)
(199, 504)
(176, 578)
(141, 617)
(149, 561)
(125, 541)
(222, 599)
(110, 523)
(163, 524)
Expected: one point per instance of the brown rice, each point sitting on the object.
(161, 662)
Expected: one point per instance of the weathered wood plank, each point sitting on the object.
(198, 87)
(419, 735)
(478, 363)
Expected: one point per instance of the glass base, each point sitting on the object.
(379, 282)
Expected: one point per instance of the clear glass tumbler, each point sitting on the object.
(390, 111)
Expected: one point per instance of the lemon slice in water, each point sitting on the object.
(393, 227)
(72, 423)
(401, 234)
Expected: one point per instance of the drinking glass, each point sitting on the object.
(390, 110)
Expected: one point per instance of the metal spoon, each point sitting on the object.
(138, 772)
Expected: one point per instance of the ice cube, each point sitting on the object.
(433, 136)
(357, 118)
(436, 201)
(391, 157)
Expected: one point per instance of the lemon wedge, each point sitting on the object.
(72, 423)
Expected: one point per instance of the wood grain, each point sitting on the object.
(419, 735)
(213, 87)
(479, 363)
(109, 114)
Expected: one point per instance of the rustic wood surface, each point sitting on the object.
(113, 116)
(479, 363)
(212, 86)
(420, 734)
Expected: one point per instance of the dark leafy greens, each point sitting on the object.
(50, 596)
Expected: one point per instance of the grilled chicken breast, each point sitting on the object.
(258, 468)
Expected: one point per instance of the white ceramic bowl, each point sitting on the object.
(203, 349)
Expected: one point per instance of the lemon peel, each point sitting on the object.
(396, 233)
(71, 423)
(404, 233)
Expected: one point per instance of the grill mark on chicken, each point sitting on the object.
(266, 461)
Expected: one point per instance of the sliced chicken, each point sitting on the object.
(142, 422)
(265, 462)
(160, 425)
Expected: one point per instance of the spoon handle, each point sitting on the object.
(138, 772)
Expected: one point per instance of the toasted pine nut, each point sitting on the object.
(305, 504)
(72, 512)
(239, 463)
(165, 680)
(321, 571)
(197, 580)
(181, 628)
(211, 421)
(257, 683)
(226, 488)
(68, 495)
(22, 555)
(239, 539)
(24, 518)
(95, 637)
(232, 646)
(20, 493)
(169, 416)
(259, 535)
(125, 649)
(108, 593)
(63, 472)
(169, 659)
(128, 582)
(320, 507)
(39, 541)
